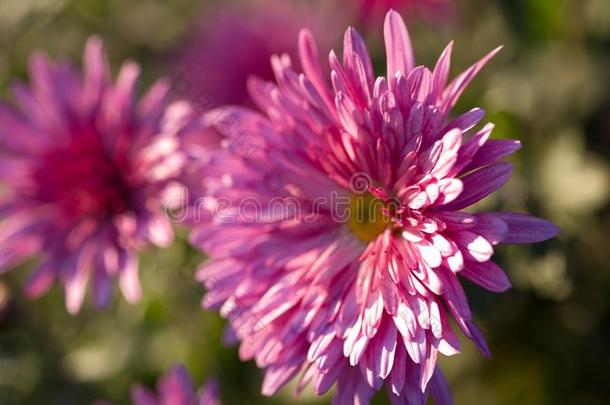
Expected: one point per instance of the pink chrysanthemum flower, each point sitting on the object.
(234, 43)
(176, 388)
(362, 300)
(84, 167)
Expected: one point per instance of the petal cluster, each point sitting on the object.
(84, 166)
(308, 296)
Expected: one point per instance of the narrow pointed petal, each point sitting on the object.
(399, 51)
(459, 84)
(487, 275)
(480, 184)
(526, 229)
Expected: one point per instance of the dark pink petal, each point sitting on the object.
(153, 102)
(352, 389)
(490, 227)
(176, 387)
(129, 280)
(487, 275)
(439, 389)
(76, 276)
(119, 103)
(102, 287)
(308, 52)
(468, 120)
(480, 184)
(456, 298)
(142, 396)
(96, 69)
(397, 377)
(477, 337)
(399, 51)
(459, 84)
(440, 73)
(474, 247)
(492, 151)
(354, 44)
(384, 349)
(277, 376)
(25, 140)
(526, 229)
(470, 148)
(40, 281)
(76, 286)
(210, 393)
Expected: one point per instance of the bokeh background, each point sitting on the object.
(549, 87)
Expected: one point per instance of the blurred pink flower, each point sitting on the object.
(441, 11)
(84, 167)
(357, 296)
(233, 43)
(176, 388)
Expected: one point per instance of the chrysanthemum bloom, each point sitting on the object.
(84, 167)
(234, 43)
(176, 388)
(362, 299)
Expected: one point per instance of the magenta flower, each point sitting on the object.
(176, 388)
(84, 167)
(234, 43)
(364, 299)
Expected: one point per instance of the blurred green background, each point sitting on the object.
(549, 335)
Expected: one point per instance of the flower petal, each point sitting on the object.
(399, 51)
(526, 229)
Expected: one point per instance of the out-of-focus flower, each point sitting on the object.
(236, 42)
(340, 233)
(84, 166)
(176, 388)
(434, 10)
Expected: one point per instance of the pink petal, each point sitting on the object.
(384, 350)
(176, 387)
(480, 184)
(129, 280)
(473, 246)
(308, 52)
(478, 339)
(353, 43)
(459, 84)
(441, 73)
(487, 275)
(277, 376)
(439, 389)
(399, 51)
(142, 396)
(526, 229)
(40, 281)
(492, 151)
(429, 253)
(96, 70)
(210, 393)
(102, 287)
(490, 227)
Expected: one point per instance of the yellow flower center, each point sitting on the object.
(367, 219)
